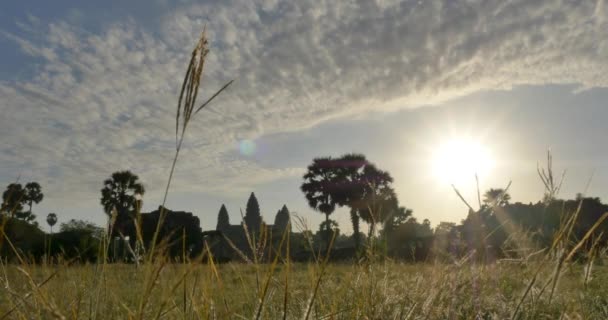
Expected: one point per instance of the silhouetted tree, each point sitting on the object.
(396, 218)
(82, 225)
(26, 216)
(123, 192)
(379, 199)
(51, 220)
(319, 187)
(350, 181)
(366, 190)
(328, 226)
(77, 239)
(13, 199)
(253, 218)
(496, 197)
(26, 238)
(349, 189)
(281, 220)
(33, 194)
(223, 220)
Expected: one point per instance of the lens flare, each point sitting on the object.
(247, 147)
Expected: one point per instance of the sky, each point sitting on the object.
(89, 88)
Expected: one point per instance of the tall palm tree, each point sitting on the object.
(122, 192)
(51, 220)
(318, 188)
(33, 194)
(496, 197)
(349, 190)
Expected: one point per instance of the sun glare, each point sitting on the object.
(458, 160)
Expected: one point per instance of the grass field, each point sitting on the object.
(382, 290)
(550, 286)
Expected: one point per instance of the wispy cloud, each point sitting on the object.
(102, 101)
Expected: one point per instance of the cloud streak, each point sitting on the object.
(102, 101)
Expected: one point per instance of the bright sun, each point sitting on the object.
(458, 160)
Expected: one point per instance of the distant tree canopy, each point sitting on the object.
(81, 225)
(122, 192)
(12, 199)
(496, 197)
(15, 196)
(330, 226)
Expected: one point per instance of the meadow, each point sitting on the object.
(565, 280)
(368, 290)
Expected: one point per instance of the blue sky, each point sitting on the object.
(87, 88)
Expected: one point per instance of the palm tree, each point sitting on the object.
(496, 197)
(33, 194)
(122, 192)
(318, 188)
(51, 220)
(349, 190)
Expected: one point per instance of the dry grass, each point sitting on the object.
(379, 291)
(548, 286)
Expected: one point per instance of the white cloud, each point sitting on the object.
(105, 101)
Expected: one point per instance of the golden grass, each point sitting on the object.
(371, 289)
(378, 291)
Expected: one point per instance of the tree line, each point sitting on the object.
(499, 229)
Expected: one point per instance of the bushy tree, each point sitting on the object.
(82, 226)
(328, 226)
(15, 196)
(26, 216)
(13, 199)
(378, 199)
(223, 220)
(496, 197)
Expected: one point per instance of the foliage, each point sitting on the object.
(378, 199)
(33, 194)
(351, 181)
(13, 199)
(51, 220)
(122, 192)
(15, 196)
(26, 216)
(319, 186)
(82, 225)
(496, 197)
(27, 239)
